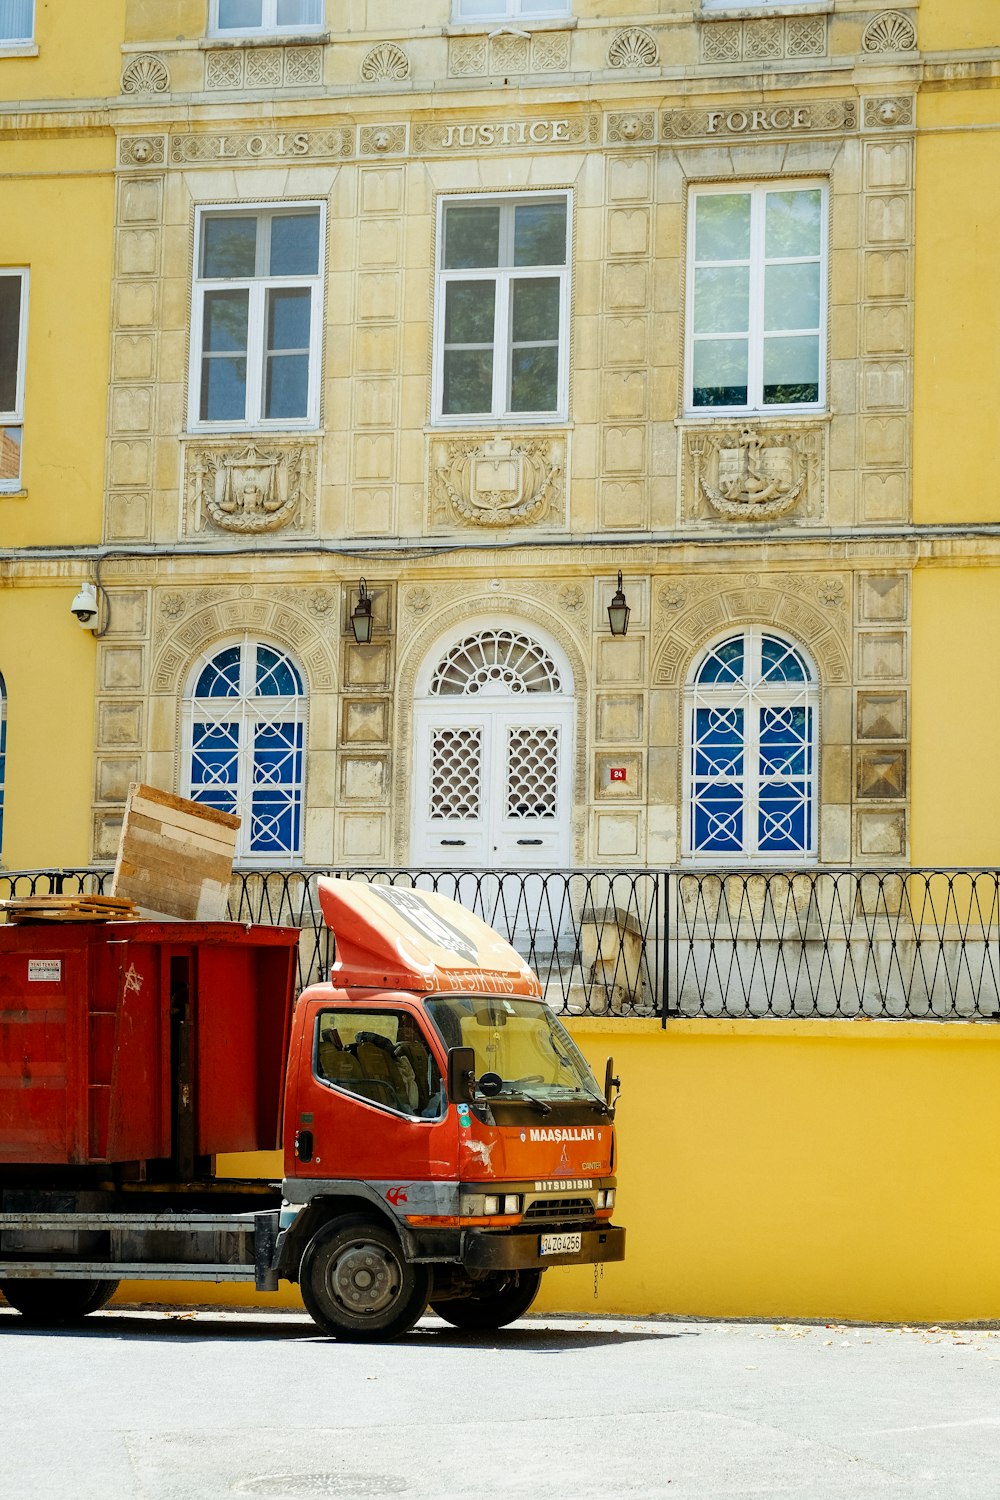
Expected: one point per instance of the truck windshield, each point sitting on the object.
(520, 1040)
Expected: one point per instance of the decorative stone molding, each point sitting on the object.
(249, 488)
(712, 604)
(141, 151)
(572, 598)
(752, 473)
(377, 140)
(498, 481)
(635, 47)
(502, 134)
(385, 63)
(263, 67)
(889, 32)
(508, 52)
(417, 601)
(886, 113)
(145, 74)
(280, 615)
(639, 126)
(761, 123)
(774, 39)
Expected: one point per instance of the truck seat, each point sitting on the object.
(380, 1069)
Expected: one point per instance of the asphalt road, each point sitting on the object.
(168, 1406)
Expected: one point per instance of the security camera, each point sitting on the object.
(84, 606)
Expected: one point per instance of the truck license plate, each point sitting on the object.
(560, 1244)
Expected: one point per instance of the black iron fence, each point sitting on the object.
(915, 944)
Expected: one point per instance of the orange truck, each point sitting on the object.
(445, 1141)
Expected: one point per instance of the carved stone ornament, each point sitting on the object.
(634, 48)
(378, 139)
(889, 32)
(498, 481)
(249, 489)
(141, 151)
(145, 74)
(885, 113)
(640, 125)
(385, 63)
(756, 121)
(747, 474)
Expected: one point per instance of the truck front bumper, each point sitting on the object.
(520, 1250)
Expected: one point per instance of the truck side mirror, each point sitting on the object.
(461, 1074)
(611, 1082)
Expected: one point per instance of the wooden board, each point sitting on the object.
(175, 857)
(68, 909)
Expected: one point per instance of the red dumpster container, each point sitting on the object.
(142, 1042)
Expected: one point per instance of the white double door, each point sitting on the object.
(492, 784)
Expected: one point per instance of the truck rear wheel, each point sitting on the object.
(357, 1284)
(57, 1301)
(504, 1298)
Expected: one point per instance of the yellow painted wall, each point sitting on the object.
(956, 716)
(47, 662)
(56, 218)
(79, 52)
(958, 24)
(790, 1170)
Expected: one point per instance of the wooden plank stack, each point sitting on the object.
(175, 857)
(19, 909)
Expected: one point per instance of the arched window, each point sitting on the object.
(245, 730)
(752, 716)
(3, 752)
(496, 662)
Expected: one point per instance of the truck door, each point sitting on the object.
(371, 1102)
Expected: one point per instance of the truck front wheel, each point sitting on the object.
(357, 1284)
(57, 1301)
(505, 1297)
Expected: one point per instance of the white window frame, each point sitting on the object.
(503, 276)
(269, 24)
(737, 695)
(19, 43)
(15, 417)
(757, 192)
(511, 10)
(258, 287)
(244, 709)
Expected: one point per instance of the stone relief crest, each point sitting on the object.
(633, 48)
(889, 32)
(751, 474)
(498, 481)
(249, 489)
(385, 63)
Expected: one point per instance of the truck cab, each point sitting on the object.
(445, 1139)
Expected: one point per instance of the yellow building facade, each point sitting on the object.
(481, 320)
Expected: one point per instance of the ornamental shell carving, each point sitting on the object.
(145, 74)
(634, 48)
(248, 490)
(385, 62)
(889, 32)
(498, 481)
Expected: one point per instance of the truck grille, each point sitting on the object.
(560, 1208)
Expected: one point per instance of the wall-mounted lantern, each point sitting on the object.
(618, 611)
(361, 619)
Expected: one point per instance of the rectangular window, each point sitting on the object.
(756, 298)
(256, 327)
(502, 309)
(271, 17)
(17, 22)
(504, 10)
(13, 330)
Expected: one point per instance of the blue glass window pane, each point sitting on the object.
(718, 749)
(781, 662)
(215, 755)
(228, 247)
(718, 819)
(726, 663)
(295, 245)
(239, 15)
(783, 817)
(276, 677)
(221, 677)
(277, 754)
(274, 822)
(785, 742)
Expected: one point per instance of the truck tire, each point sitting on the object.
(57, 1301)
(358, 1285)
(505, 1297)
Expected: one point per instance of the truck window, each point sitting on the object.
(381, 1056)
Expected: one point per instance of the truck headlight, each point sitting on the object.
(512, 1203)
(491, 1206)
(606, 1198)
